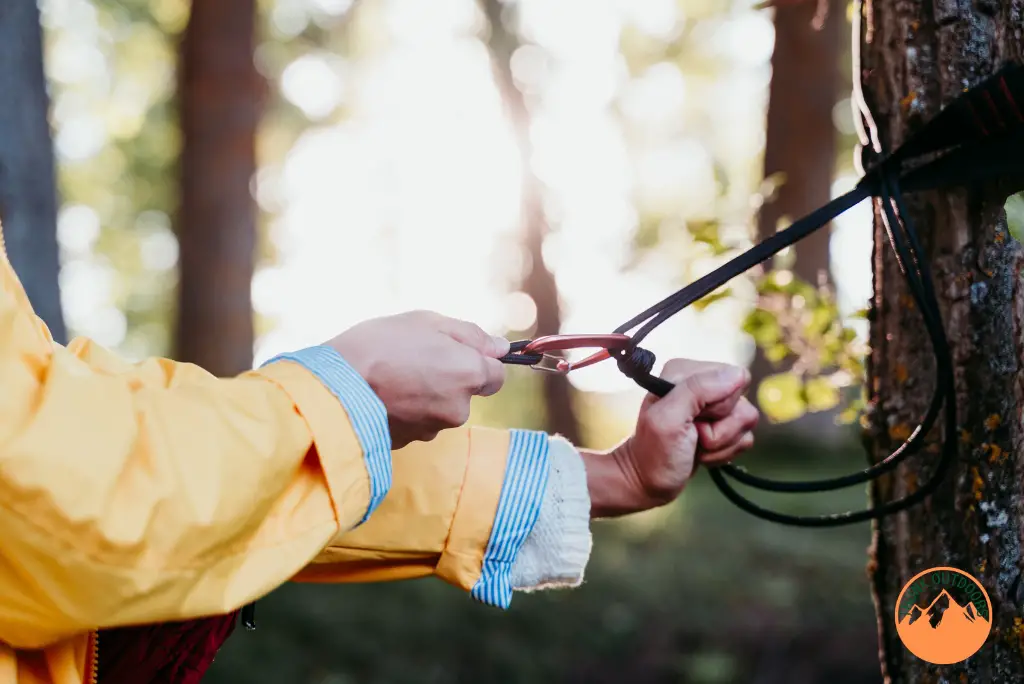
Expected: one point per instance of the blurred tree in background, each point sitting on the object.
(800, 135)
(800, 144)
(220, 93)
(539, 282)
(28, 201)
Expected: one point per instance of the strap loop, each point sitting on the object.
(637, 362)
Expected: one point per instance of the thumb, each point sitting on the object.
(709, 387)
(474, 336)
(499, 346)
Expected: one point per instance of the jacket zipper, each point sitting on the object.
(92, 656)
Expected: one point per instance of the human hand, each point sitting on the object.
(704, 419)
(425, 368)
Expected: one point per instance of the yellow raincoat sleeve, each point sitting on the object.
(489, 511)
(150, 492)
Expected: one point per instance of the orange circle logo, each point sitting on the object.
(943, 615)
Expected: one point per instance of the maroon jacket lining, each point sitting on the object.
(168, 653)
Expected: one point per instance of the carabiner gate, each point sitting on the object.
(535, 353)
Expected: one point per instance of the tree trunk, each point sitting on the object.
(28, 196)
(539, 283)
(221, 102)
(800, 143)
(800, 139)
(916, 57)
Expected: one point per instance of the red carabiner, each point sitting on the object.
(550, 343)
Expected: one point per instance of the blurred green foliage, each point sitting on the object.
(801, 324)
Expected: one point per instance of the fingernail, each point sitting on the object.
(501, 345)
(731, 375)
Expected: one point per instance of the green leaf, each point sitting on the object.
(781, 397)
(1015, 216)
(848, 416)
(647, 235)
(704, 231)
(821, 394)
(821, 320)
(804, 289)
(776, 352)
(763, 327)
(710, 299)
(853, 411)
(707, 233)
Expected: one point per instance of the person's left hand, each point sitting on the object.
(704, 419)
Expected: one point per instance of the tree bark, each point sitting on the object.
(800, 143)
(539, 282)
(28, 195)
(916, 56)
(221, 96)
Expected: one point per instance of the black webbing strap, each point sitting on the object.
(978, 137)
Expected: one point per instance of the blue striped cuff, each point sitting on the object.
(365, 411)
(526, 478)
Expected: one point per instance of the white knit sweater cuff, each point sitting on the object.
(558, 548)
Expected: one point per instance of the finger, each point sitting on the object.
(472, 335)
(700, 390)
(456, 413)
(676, 370)
(721, 409)
(494, 378)
(719, 434)
(728, 454)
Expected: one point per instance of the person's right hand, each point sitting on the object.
(425, 367)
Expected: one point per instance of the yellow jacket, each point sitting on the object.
(144, 493)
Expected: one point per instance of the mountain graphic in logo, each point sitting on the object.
(946, 631)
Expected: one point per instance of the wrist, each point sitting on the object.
(613, 483)
(355, 356)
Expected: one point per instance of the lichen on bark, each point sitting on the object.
(920, 54)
